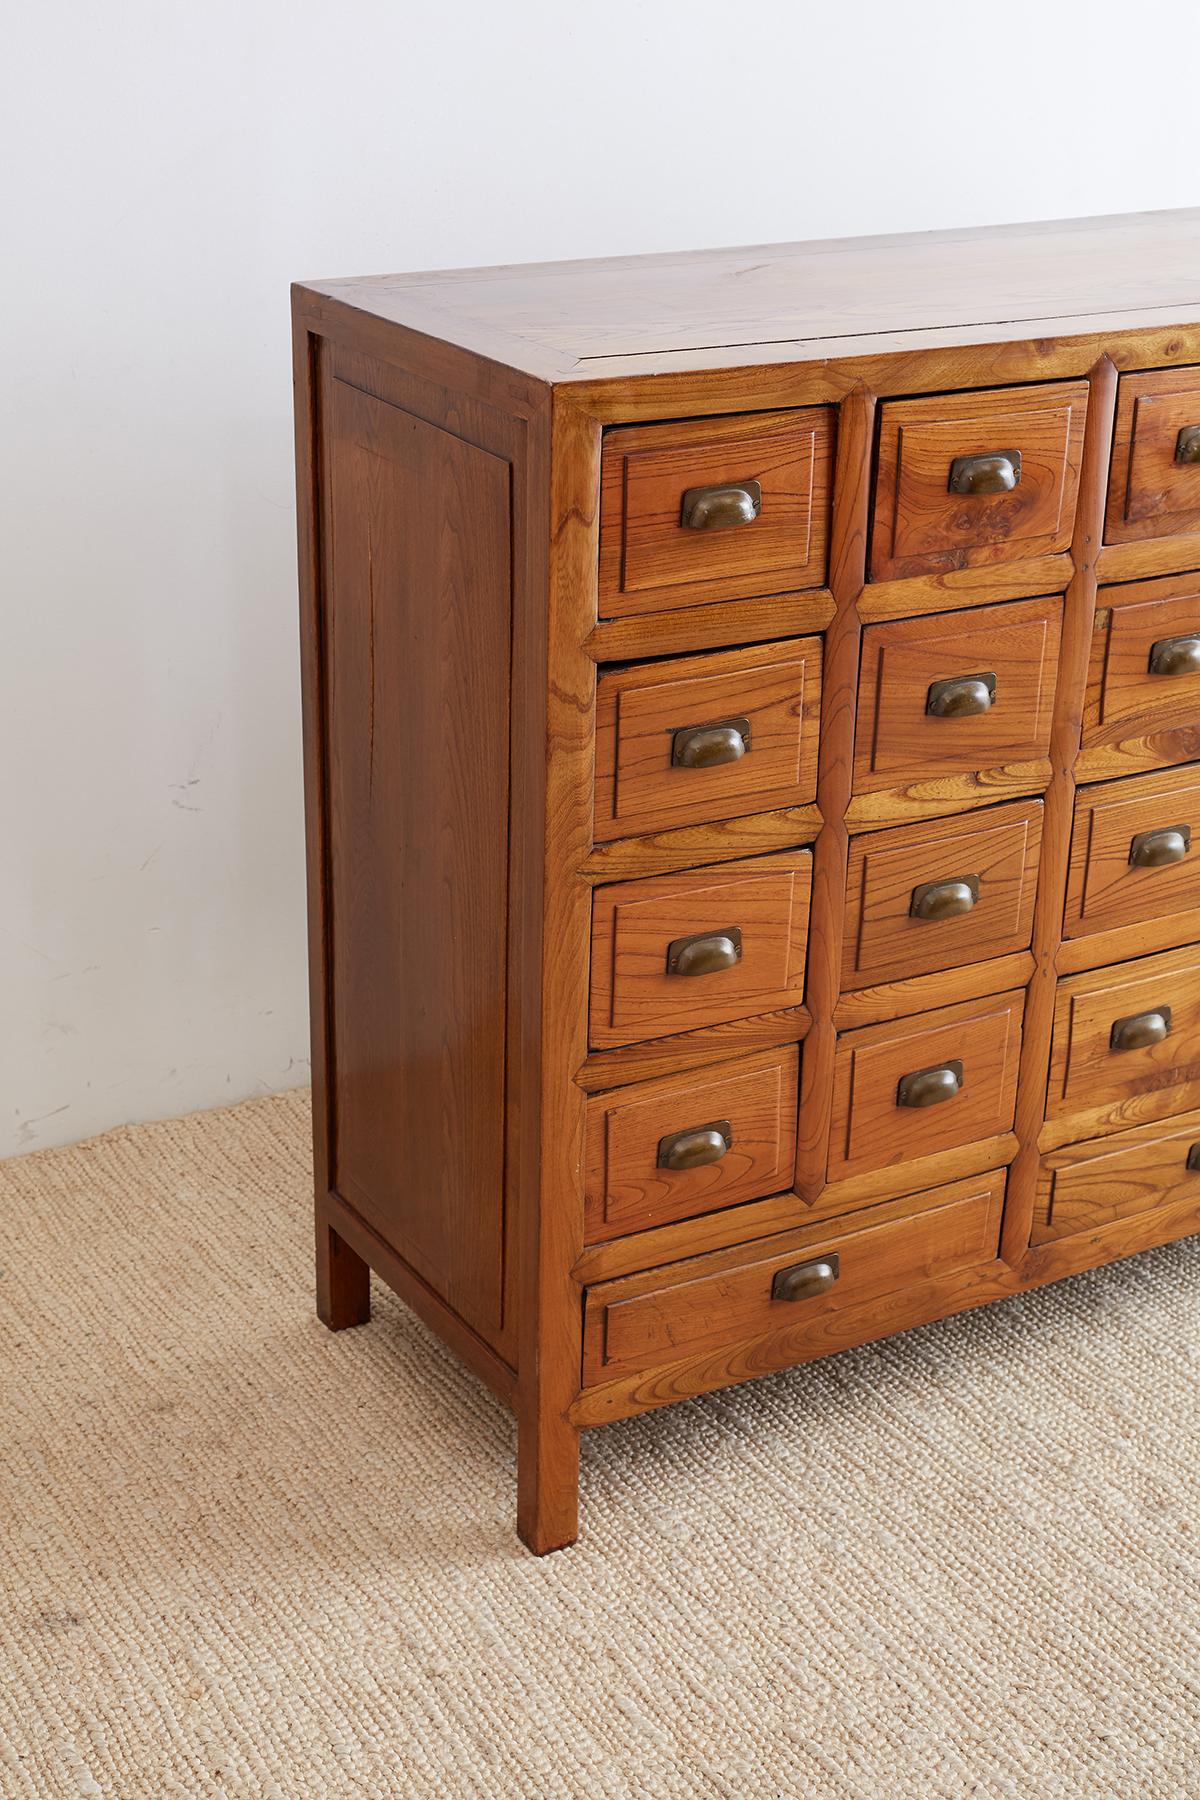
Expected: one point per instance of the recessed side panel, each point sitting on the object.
(417, 633)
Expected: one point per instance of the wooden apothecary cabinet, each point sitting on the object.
(752, 703)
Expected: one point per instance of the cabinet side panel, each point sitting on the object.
(418, 645)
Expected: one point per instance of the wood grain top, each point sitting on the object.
(615, 316)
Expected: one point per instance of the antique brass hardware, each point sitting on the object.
(1187, 445)
(704, 746)
(1176, 656)
(1138, 1031)
(695, 1148)
(705, 953)
(717, 508)
(937, 900)
(929, 1087)
(961, 696)
(806, 1280)
(1156, 849)
(998, 472)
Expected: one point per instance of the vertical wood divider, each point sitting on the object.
(309, 375)
(839, 691)
(343, 1279)
(1079, 609)
(552, 1209)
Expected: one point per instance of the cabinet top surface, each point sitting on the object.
(617, 316)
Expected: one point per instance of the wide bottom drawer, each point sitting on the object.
(729, 1297)
(1085, 1186)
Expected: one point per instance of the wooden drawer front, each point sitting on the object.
(651, 776)
(644, 1144)
(873, 1128)
(1141, 683)
(1154, 484)
(634, 924)
(901, 741)
(922, 525)
(731, 1296)
(651, 559)
(1090, 1185)
(902, 885)
(1087, 1071)
(1135, 851)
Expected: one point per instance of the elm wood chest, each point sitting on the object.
(752, 719)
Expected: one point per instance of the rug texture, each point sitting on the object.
(241, 1556)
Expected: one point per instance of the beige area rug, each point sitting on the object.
(244, 1557)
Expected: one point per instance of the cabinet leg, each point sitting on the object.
(547, 1483)
(343, 1281)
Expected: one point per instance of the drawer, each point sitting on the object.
(936, 896)
(1144, 670)
(707, 737)
(676, 952)
(1135, 851)
(967, 479)
(913, 1087)
(708, 1303)
(714, 509)
(1154, 479)
(1128, 1030)
(966, 700)
(1090, 1185)
(688, 1144)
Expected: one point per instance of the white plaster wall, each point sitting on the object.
(167, 170)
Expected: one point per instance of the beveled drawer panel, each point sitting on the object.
(781, 1283)
(1143, 682)
(1154, 482)
(959, 702)
(714, 509)
(967, 479)
(676, 952)
(912, 1087)
(687, 1144)
(1128, 1030)
(707, 737)
(936, 896)
(1135, 851)
(1089, 1185)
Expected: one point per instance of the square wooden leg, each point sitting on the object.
(547, 1483)
(343, 1281)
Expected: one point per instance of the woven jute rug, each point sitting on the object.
(244, 1557)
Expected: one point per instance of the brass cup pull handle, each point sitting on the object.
(1187, 445)
(1158, 849)
(1176, 655)
(937, 900)
(962, 696)
(696, 1148)
(929, 1087)
(806, 1280)
(704, 746)
(717, 508)
(705, 954)
(997, 472)
(1193, 1159)
(1138, 1031)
